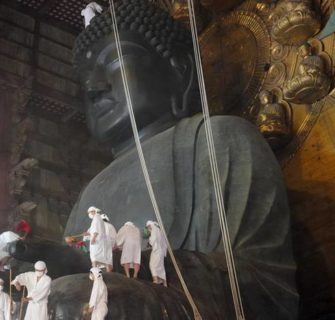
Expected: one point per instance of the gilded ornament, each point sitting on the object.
(236, 50)
(278, 51)
(179, 10)
(302, 132)
(276, 75)
(312, 81)
(294, 22)
(274, 120)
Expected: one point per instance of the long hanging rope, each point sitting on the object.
(215, 171)
(10, 292)
(196, 312)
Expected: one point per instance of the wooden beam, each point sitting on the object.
(5, 152)
(46, 6)
(66, 117)
(52, 94)
(42, 18)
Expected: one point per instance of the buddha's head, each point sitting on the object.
(159, 64)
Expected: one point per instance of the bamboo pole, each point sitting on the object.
(21, 305)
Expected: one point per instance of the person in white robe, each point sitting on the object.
(129, 239)
(90, 12)
(5, 303)
(110, 241)
(5, 238)
(158, 253)
(99, 296)
(98, 239)
(38, 289)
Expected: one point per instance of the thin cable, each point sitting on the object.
(196, 312)
(10, 292)
(215, 172)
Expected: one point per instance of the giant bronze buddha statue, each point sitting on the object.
(161, 73)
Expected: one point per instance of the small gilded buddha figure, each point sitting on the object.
(273, 121)
(311, 83)
(294, 22)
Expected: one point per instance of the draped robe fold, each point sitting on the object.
(254, 195)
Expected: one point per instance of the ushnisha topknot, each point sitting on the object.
(151, 22)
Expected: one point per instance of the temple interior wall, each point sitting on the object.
(50, 158)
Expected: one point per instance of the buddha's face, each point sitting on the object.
(151, 85)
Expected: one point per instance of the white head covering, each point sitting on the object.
(129, 223)
(149, 223)
(40, 265)
(96, 272)
(152, 224)
(96, 210)
(104, 217)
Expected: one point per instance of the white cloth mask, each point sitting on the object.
(91, 277)
(39, 273)
(91, 215)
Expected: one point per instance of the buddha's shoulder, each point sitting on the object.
(219, 122)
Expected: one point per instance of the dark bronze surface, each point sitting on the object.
(161, 75)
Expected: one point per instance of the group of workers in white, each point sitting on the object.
(103, 239)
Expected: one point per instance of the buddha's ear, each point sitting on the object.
(184, 69)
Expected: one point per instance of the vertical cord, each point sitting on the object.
(10, 292)
(215, 171)
(196, 313)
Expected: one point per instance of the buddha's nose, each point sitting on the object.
(96, 88)
(97, 83)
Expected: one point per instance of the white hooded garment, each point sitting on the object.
(110, 241)
(129, 238)
(159, 248)
(99, 296)
(39, 291)
(98, 250)
(4, 306)
(90, 11)
(5, 238)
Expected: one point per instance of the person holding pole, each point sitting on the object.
(38, 287)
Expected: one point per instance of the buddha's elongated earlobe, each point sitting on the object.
(184, 70)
